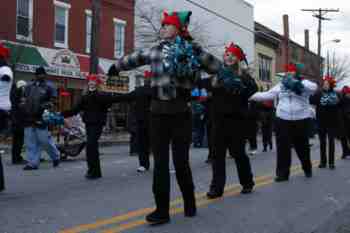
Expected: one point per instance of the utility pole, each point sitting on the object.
(319, 14)
(95, 37)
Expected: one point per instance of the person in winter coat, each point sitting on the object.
(292, 123)
(345, 110)
(39, 96)
(176, 62)
(230, 94)
(17, 95)
(94, 105)
(6, 79)
(329, 119)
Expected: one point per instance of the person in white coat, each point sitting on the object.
(292, 113)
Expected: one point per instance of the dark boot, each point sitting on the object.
(157, 217)
(190, 208)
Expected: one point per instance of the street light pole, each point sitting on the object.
(328, 60)
(95, 39)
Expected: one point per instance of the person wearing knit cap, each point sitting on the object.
(230, 93)
(329, 119)
(176, 63)
(39, 97)
(6, 79)
(292, 119)
(345, 111)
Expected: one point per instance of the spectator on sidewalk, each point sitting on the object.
(6, 79)
(345, 111)
(39, 96)
(17, 96)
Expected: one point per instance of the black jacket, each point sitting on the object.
(16, 98)
(234, 104)
(94, 107)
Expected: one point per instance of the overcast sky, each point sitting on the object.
(269, 13)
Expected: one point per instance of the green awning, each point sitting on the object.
(22, 54)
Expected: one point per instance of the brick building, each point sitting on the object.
(56, 34)
(272, 54)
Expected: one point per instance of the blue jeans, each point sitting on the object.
(35, 139)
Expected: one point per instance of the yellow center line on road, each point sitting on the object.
(231, 190)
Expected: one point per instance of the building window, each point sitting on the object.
(61, 24)
(119, 37)
(88, 30)
(265, 67)
(24, 20)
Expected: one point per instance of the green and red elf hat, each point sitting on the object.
(4, 52)
(148, 74)
(346, 90)
(331, 81)
(236, 51)
(294, 68)
(180, 20)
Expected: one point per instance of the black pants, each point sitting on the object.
(266, 129)
(210, 136)
(292, 134)
(92, 154)
(228, 136)
(143, 145)
(252, 126)
(174, 130)
(133, 142)
(17, 143)
(3, 125)
(323, 135)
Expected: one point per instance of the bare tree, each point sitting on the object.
(339, 66)
(148, 23)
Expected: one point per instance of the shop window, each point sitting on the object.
(61, 24)
(265, 68)
(24, 20)
(119, 37)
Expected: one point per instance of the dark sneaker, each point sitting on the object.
(281, 179)
(29, 168)
(331, 166)
(92, 177)
(212, 194)
(156, 218)
(56, 163)
(247, 190)
(322, 165)
(308, 174)
(190, 208)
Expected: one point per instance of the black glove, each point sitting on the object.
(113, 71)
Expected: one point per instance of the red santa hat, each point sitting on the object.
(148, 74)
(291, 68)
(4, 51)
(331, 80)
(94, 78)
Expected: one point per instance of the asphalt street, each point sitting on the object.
(62, 201)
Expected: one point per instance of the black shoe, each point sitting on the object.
(156, 218)
(212, 194)
(92, 176)
(331, 166)
(308, 174)
(247, 190)
(19, 162)
(56, 163)
(281, 179)
(264, 150)
(322, 165)
(29, 168)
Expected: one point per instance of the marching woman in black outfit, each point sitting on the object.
(329, 119)
(231, 92)
(94, 105)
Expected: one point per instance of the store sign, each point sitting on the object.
(65, 63)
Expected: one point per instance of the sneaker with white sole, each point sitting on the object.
(141, 169)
